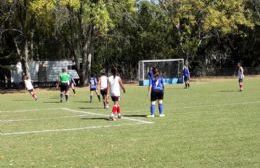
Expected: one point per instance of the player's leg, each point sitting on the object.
(103, 98)
(240, 84)
(98, 95)
(118, 108)
(73, 88)
(91, 96)
(152, 105)
(62, 92)
(33, 93)
(160, 103)
(114, 108)
(185, 82)
(67, 93)
(106, 99)
(188, 82)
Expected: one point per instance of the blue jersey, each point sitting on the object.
(157, 84)
(93, 83)
(186, 72)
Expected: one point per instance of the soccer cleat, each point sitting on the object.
(162, 115)
(119, 116)
(150, 116)
(114, 119)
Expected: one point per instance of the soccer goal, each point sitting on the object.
(171, 70)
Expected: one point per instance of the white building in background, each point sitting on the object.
(43, 71)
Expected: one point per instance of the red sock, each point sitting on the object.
(114, 109)
(118, 109)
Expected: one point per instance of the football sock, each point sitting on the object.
(160, 108)
(61, 97)
(152, 109)
(66, 97)
(99, 98)
(114, 109)
(90, 98)
(118, 109)
(74, 91)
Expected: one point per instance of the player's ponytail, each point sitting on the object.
(114, 71)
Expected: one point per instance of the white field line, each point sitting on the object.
(63, 130)
(224, 104)
(103, 115)
(38, 119)
(29, 110)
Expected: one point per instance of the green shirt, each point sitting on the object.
(64, 77)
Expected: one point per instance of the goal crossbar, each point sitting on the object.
(171, 69)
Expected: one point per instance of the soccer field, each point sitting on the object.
(211, 124)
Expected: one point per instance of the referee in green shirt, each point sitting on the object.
(64, 80)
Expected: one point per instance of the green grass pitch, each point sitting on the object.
(209, 125)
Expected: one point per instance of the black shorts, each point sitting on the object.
(240, 80)
(186, 78)
(30, 91)
(64, 87)
(103, 92)
(115, 98)
(93, 89)
(157, 95)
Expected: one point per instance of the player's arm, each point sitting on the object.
(150, 87)
(108, 88)
(162, 83)
(121, 85)
(99, 83)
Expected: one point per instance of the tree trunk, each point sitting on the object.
(85, 56)
(25, 60)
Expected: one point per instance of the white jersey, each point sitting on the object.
(103, 82)
(28, 84)
(240, 73)
(114, 85)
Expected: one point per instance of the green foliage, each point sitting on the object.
(227, 15)
(126, 31)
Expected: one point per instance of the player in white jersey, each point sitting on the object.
(114, 86)
(241, 76)
(29, 87)
(103, 84)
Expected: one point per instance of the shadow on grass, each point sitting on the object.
(85, 108)
(95, 118)
(52, 102)
(21, 100)
(134, 115)
(82, 101)
(228, 91)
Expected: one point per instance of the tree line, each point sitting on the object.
(98, 34)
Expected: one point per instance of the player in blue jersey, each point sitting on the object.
(93, 83)
(150, 73)
(156, 92)
(186, 77)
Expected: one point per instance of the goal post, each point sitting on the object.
(170, 69)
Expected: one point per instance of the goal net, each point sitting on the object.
(171, 70)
